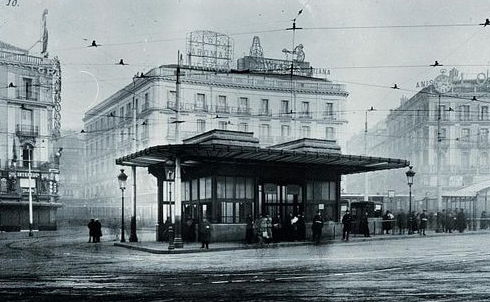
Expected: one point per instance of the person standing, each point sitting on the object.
(364, 225)
(461, 221)
(347, 222)
(301, 224)
(97, 230)
(316, 227)
(277, 234)
(401, 220)
(423, 223)
(91, 230)
(205, 233)
(249, 233)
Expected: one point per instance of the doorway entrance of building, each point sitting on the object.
(281, 199)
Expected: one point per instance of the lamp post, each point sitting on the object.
(122, 177)
(366, 181)
(410, 174)
(170, 177)
(29, 174)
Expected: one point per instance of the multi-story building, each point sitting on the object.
(460, 109)
(276, 107)
(29, 129)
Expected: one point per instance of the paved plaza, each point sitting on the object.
(61, 265)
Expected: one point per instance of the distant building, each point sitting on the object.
(276, 106)
(411, 131)
(29, 129)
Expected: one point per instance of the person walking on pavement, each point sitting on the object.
(316, 227)
(91, 230)
(205, 233)
(347, 222)
(423, 223)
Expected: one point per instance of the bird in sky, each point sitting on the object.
(474, 98)
(487, 22)
(435, 64)
(395, 86)
(94, 44)
(11, 85)
(121, 62)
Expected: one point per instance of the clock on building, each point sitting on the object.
(442, 83)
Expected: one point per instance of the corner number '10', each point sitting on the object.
(12, 3)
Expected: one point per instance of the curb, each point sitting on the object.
(139, 247)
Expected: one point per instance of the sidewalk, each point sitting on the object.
(195, 247)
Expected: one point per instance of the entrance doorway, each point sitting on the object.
(281, 199)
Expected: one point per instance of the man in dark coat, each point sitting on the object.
(401, 221)
(316, 228)
(364, 225)
(461, 221)
(249, 233)
(97, 230)
(277, 230)
(91, 230)
(347, 222)
(301, 224)
(205, 233)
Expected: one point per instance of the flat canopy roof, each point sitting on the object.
(195, 154)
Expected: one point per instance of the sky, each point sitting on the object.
(367, 45)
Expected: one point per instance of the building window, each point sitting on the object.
(265, 131)
(465, 113)
(465, 160)
(329, 133)
(442, 112)
(128, 109)
(484, 160)
(285, 131)
(243, 106)
(201, 101)
(328, 110)
(201, 125)
(305, 131)
(222, 125)
(484, 113)
(26, 117)
(243, 127)
(27, 155)
(483, 137)
(121, 113)
(264, 107)
(222, 106)
(305, 108)
(285, 107)
(465, 134)
(27, 88)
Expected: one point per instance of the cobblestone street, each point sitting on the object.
(63, 266)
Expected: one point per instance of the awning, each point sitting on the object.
(470, 190)
(192, 154)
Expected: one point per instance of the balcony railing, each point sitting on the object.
(27, 130)
(265, 112)
(222, 109)
(243, 110)
(306, 115)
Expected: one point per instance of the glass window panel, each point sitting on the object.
(208, 187)
(194, 188)
(309, 191)
(236, 217)
(202, 188)
(220, 187)
(333, 190)
(324, 190)
(240, 187)
(317, 190)
(250, 188)
(230, 188)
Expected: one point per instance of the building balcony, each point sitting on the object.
(306, 115)
(329, 116)
(145, 107)
(27, 130)
(201, 108)
(265, 112)
(483, 144)
(243, 111)
(222, 109)
(464, 144)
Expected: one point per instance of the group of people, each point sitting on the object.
(95, 230)
(451, 221)
(267, 229)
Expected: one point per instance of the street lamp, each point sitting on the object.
(410, 174)
(366, 181)
(29, 174)
(170, 177)
(122, 177)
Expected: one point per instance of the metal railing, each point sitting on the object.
(27, 130)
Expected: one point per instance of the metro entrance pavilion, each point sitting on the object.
(225, 176)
